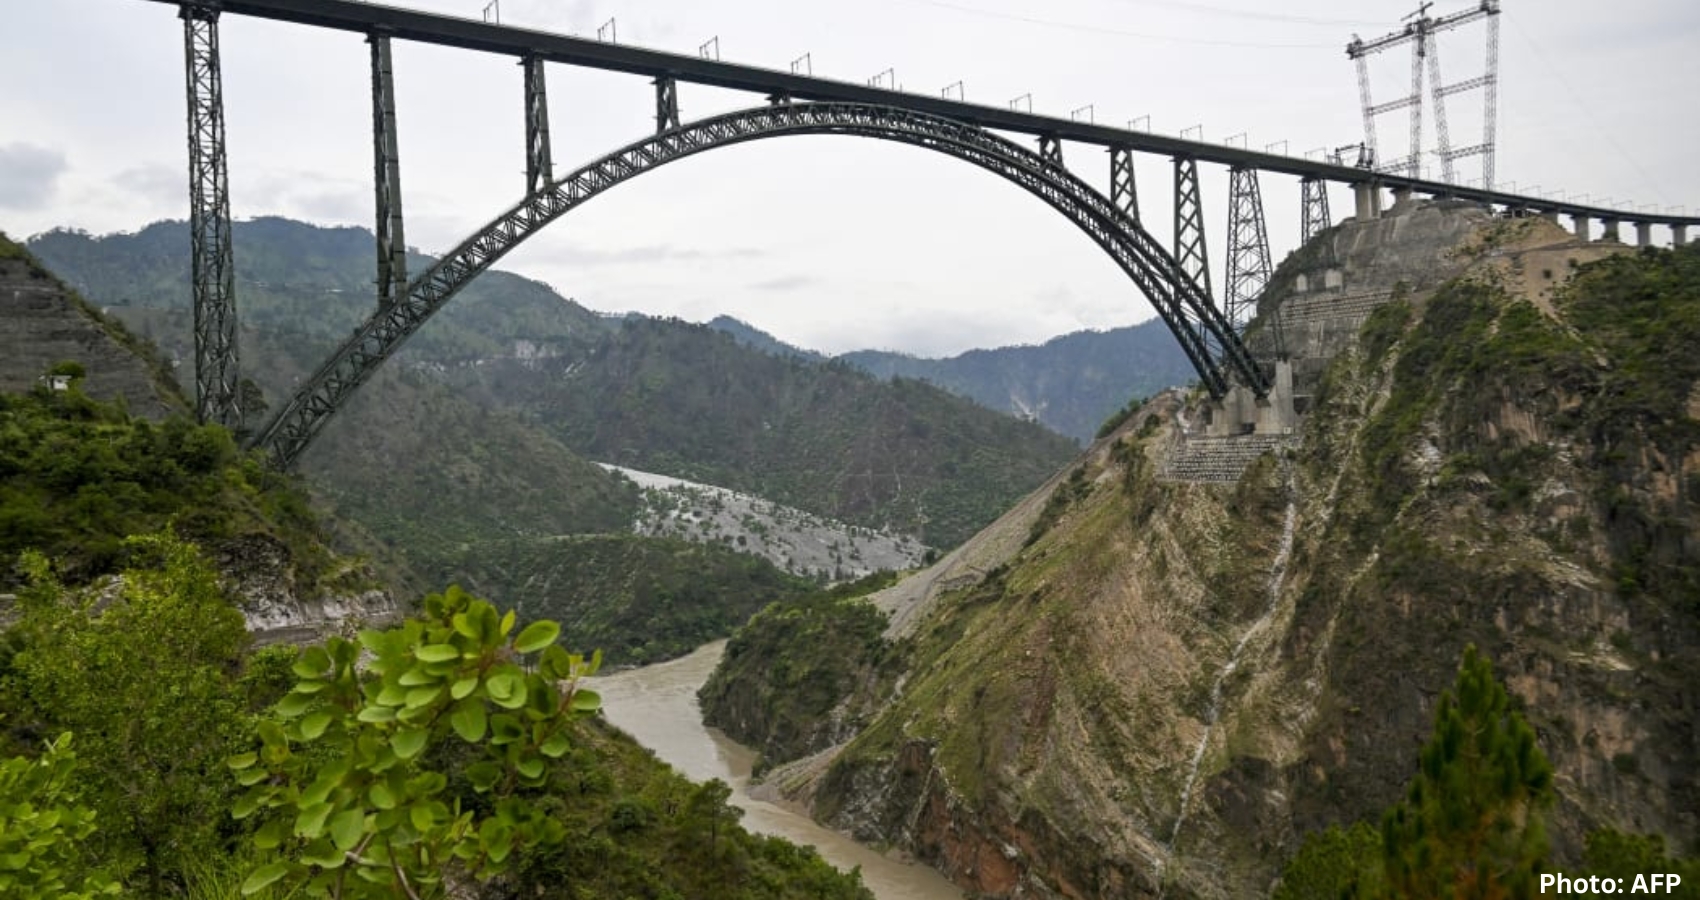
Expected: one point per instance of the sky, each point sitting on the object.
(831, 243)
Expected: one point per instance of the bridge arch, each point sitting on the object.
(1208, 339)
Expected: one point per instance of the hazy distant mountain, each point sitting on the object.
(1069, 384)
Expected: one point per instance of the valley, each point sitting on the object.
(1177, 663)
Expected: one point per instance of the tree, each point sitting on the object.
(352, 776)
(43, 833)
(1472, 824)
(144, 672)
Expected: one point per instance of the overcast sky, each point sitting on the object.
(832, 243)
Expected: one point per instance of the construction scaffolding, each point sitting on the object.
(1420, 32)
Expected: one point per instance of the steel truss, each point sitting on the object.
(386, 177)
(1315, 218)
(213, 274)
(1249, 267)
(1196, 323)
(1192, 257)
(1124, 188)
(539, 165)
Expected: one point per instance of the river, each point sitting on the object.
(658, 706)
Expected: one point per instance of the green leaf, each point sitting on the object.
(536, 636)
(310, 822)
(436, 653)
(423, 696)
(483, 775)
(264, 877)
(347, 827)
(376, 714)
(293, 705)
(508, 623)
(313, 662)
(463, 687)
(469, 720)
(531, 767)
(381, 795)
(242, 761)
(408, 742)
(324, 854)
(586, 701)
(420, 816)
(556, 746)
(314, 725)
(417, 676)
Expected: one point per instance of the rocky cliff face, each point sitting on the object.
(45, 324)
(1132, 686)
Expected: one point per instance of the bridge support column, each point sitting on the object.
(1367, 194)
(666, 104)
(1313, 204)
(1678, 235)
(1401, 197)
(539, 165)
(1643, 234)
(212, 270)
(1190, 250)
(386, 178)
(1610, 229)
(1584, 226)
(1249, 266)
(1124, 191)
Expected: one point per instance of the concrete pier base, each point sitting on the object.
(1610, 230)
(1643, 234)
(1368, 197)
(1584, 227)
(1678, 235)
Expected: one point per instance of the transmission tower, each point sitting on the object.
(1420, 31)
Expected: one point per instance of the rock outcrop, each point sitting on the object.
(1137, 685)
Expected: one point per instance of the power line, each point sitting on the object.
(1097, 29)
(1253, 14)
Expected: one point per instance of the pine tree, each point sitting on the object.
(1472, 824)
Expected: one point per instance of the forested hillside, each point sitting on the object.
(688, 401)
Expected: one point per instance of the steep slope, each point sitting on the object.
(1135, 687)
(1070, 384)
(47, 323)
(685, 400)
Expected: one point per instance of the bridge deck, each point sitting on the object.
(488, 37)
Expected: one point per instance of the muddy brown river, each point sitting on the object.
(658, 706)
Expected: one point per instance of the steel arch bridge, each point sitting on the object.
(1211, 343)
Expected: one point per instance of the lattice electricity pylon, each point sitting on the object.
(212, 266)
(1249, 267)
(1124, 188)
(1420, 32)
(1190, 253)
(539, 165)
(386, 177)
(1313, 203)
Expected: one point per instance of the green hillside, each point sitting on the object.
(688, 401)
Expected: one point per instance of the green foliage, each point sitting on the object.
(77, 476)
(1472, 824)
(1613, 854)
(1333, 864)
(641, 599)
(44, 833)
(688, 401)
(791, 664)
(353, 775)
(146, 674)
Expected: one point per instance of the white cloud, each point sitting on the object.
(29, 175)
